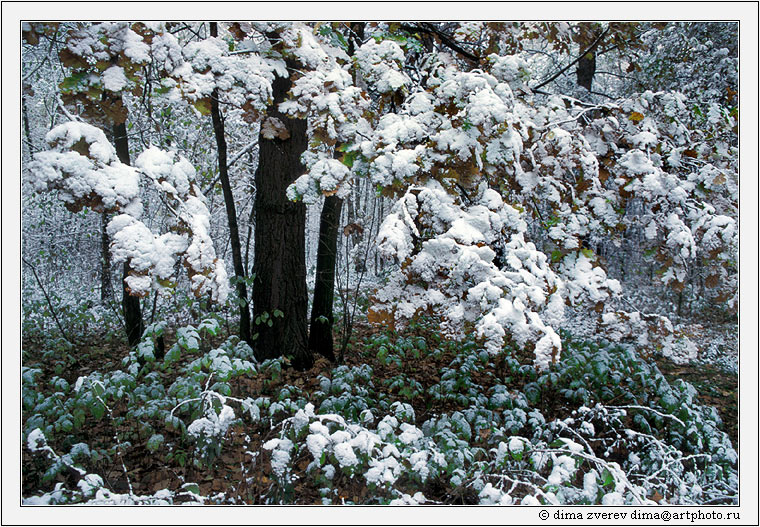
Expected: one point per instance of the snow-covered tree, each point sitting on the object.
(509, 199)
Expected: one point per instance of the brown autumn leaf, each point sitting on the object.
(30, 37)
(71, 60)
(250, 113)
(583, 185)
(603, 174)
(81, 147)
(381, 318)
(272, 127)
(636, 117)
(353, 228)
(236, 31)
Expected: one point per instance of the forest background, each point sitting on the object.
(751, 223)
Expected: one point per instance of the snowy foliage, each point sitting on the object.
(82, 165)
(451, 269)
(504, 204)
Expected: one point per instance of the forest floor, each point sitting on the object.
(716, 387)
(233, 474)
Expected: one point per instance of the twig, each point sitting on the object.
(579, 57)
(49, 302)
(445, 39)
(115, 437)
(234, 160)
(636, 407)
(65, 111)
(570, 120)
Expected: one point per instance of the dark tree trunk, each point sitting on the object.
(229, 203)
(106, 288)
(321, 322)
(132, 314)
(131, 304)
(320, 329)
(279, 239)
(27, 131)
(590, 38)
(586, 70)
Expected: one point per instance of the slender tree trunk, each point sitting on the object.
(132, 314)
(229, 203)
(320, 330)
(106, 287)
(27, 131)
(131, 304)
(279, 238)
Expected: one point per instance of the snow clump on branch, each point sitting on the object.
(471, 266)
(83, 166)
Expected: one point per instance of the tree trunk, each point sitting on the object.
(279, 239)
(132, 314)
(586, 70)
(587, 63)
(130, 304)
(229, 203)
(320, 330)
(27, 131)
(106, 288)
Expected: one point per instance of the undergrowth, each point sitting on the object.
(409, 418)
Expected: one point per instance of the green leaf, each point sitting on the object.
(97, 409)
(155, 442)
(349, 158)
(74, 83)
(607, 479)
(191, 487)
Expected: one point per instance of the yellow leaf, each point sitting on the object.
(203, 106)
(636, 117)
(719, 179)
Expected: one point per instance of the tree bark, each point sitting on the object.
(229, 203)
(586, 70)
(131, 304)
(27, 131)
(106, 287)
(320, 329)
(279, 239)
